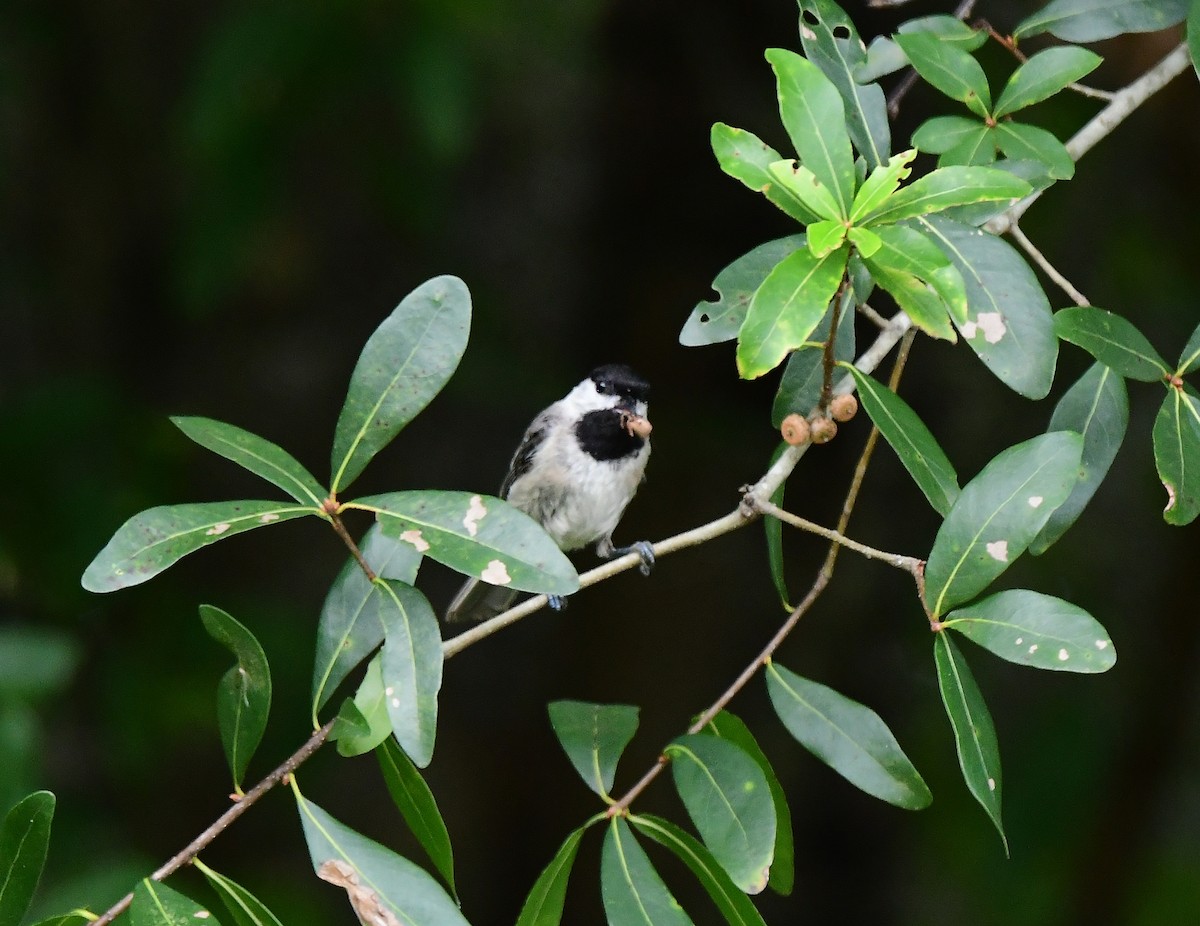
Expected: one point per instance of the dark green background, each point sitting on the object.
(207, 208)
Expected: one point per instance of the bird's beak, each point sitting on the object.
(635, 425)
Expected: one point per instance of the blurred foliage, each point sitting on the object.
(206, 209)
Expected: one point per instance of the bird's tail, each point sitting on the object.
(479, 601)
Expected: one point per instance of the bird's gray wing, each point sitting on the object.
(534, 437)
(479, 601)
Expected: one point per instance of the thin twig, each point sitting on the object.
(1014, 230)
(185, 856)
(898, 560)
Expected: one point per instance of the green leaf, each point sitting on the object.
(544, 904)
(244, 693)
(800, 385)
(974, 150)
(478, 535)
(727, 797)
(255, 454)
(948, 68)
(997, 516)
(1009, 324)
(1112, 340)
(157, 538)
(945, 188)
(745, 157)
(848, 737)
(1193, 35)
(1094, 20)
(916, 447)
(1189, 360)
(74, 918)
(411, 667)
(155, 904)
(734, 905)
(1177, 454)
(372, 875)
(404, 364)
(826, 237)
(804, 185)
(1030, 143)
(882, 182)
(864, 240)
(974, 734)
(786, 309)
(1043, 75)
(773, 528)
(937, 289)
(944, 133)
(815, 119)
(24, 842)
(417, 805)
(714, 322)
(1032, 629)
(1097, 407)
(244, 908)
(363, 722)
(832, 43)
(631, 889)
(593, 737)
(350, 628)
(783, 868)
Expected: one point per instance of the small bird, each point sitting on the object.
(575, 471)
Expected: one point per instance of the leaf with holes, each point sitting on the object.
(727, 797)
(378, 882)
(787, 308)
(974, 734)
(1177, 453)
(1097, 407)
(155, 904)
(783, 869)
(244, 693)
(631, 889)
(24, 842)
(404, 364)
(255, 454)
(1113, 340)
(948, 68)
(733, 903)
(881, 183)
(848, 737)
(544, 903)
(593, 737)
(913, 443)
(479, 535)
(1032, 629)
(745, 157)
(832, 43)
(1094, 20)
(1009, 324)
(714, 322)
(815, 119)
(997, 515)
(157, 538)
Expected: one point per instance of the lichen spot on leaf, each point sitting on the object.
(414, 537)
(998, 550)
(496, 573)
(475, 513)
(217, 529)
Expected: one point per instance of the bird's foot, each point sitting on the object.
(642, 548)
(557, 602)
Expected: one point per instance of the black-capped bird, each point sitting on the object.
(576, 469)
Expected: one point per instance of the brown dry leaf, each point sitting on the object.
(366, 903)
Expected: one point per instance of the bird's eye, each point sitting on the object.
(602, 386)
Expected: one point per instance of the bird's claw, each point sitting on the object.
(557, 602)
(643, 549)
